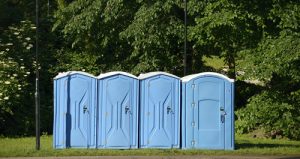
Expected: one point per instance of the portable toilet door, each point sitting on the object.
(74, 110)
(118, 111)
(208, 114)
(159, 110)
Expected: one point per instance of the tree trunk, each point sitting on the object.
(231, 65)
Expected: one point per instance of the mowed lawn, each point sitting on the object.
(244, 146)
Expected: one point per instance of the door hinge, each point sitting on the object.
(193, 124)
(193, 86)
(193, 142)
(193, 104)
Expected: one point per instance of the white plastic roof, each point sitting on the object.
(104, 75)
(190, 77)
(63, 74)
(151, 74)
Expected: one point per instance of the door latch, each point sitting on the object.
(85, 109)
(223, 113)
(169, 110)
(127, 110)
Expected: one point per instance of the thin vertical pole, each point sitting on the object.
(37, 97)
(48, 8)
(185, 36)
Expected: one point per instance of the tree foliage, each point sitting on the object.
(224, 28)
(91, 31)
(18, 65)
(276, 62)
(257, 39)
(16, 50)
(156, 37)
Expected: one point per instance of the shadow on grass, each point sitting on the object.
(252, 145)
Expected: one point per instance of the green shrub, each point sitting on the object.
(17, 63)
(244, 91)
(272, 112)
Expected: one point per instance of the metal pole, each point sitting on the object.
(185, 37)
(37, 97)
(48, 8)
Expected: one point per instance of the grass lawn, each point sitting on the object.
(214, 62)
(244, 146)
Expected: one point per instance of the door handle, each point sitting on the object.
(169, 110)
(127, 110)
(85, 109)
(223, 113)
(222, 118)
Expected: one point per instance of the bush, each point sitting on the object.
(16, 79)
(272, 112)
(244, 91)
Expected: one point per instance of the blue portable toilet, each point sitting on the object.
(159, 124)
(207, 111)
(74, 110)
(118, 111)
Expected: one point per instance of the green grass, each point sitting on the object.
(214, 61)
(244, 146)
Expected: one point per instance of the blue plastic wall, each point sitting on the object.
(207, 112)
(117, 112)
(159, 112)
(74, 111)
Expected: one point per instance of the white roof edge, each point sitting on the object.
(151, 74)
(104, 75)
(190, 77)
(63, 74)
